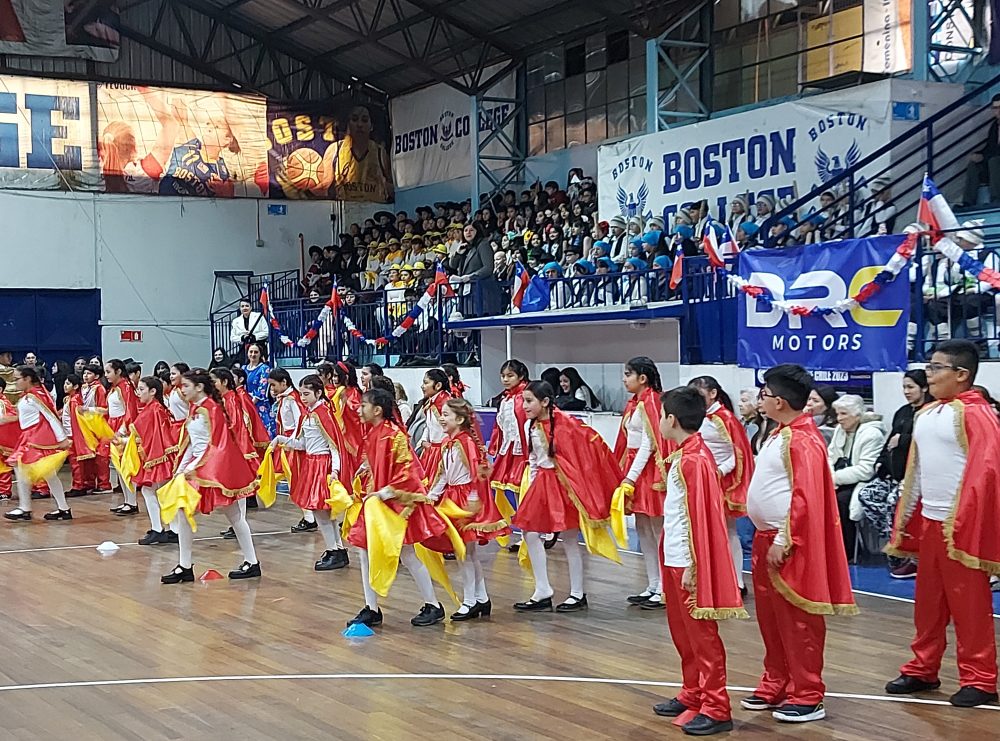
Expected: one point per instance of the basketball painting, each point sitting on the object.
(329, 151)
(182, 142)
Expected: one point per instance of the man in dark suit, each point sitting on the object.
(984, 165)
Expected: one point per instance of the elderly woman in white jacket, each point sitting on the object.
(853, 451)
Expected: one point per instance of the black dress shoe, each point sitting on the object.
(904, 685)
(169, 536)
(513, 548)
(229, 534)
(471, 613)
(551, 542)
(449, 556)
(367, 616)
(246, 570)
(59, 514)
(655, 602)
(76, 493)
(178, 575)
(533, 605)
(252, 502)
(102, 490)
(332, 560)
(702, 725)
(18, 514)
(638, 599)
(429, 615)
(303, 526)
(39, 495)
(152, 537)
(117, 507)
(670, 709)
(744, 592)
(127, 510)
(970, 697)
(573, 604)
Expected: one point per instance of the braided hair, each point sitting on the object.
(155, 385)
(201, 377)
(385, 401)
(708, 383)
(225, 376)
(644, 366)
(542, 390)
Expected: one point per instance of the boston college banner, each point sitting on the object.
(87, 29)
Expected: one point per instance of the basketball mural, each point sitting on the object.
(329, 150)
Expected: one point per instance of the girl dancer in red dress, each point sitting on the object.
(727, 440)
(250, 417)
(394, 475)
(573, 475)
(346, 402)
(225, 384)
(42, 436)
(154, 434)
(318, 443)
(435, 388)
(509, 441)
(97, 471)
(215, 466)
(80, 456)
(174, 399)
(459, 482)
(640, 451)
(123, 406)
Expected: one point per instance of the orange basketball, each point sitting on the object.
(302, 168)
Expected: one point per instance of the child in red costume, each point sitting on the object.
(947, 515)
(395, 476)
(287, 419)
(573, 477)
(640, 452)
(153, 430)
(318, 443)
(252, 420)
(346, 402)
(435, 388)
(79, 454)
(9, 434)
(97, 470)
(799, 565)
(460, 480)
(698, 584)
(215, 466)
(42, 436)
(727, 440)
(123, 406)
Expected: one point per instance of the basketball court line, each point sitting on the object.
(448, 677)
(46, 549)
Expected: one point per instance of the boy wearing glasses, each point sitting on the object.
(799, 564)
(947, 516)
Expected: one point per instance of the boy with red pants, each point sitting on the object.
(699, 584)
(10, 431)
(799, 565)
(947, 516)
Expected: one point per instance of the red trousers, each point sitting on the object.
(7, 483)
(793, 639)
(99, 469)
(79, 471)
(703, 657)
(947, 589)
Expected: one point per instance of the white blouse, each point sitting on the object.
(177, 406)
(510, 438)
(769, 497)
(29, 412)
(676, 549)
(722, 449)
(639, 439)
(116, 404)
(454, 472)
(199, 436)
(538, 456)
(433, 431)
(312, 439)
(289, 414)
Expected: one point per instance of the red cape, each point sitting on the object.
(345, 412)
(237, 425)
(10, 432)
(292, 398)
(99, 394)
(522, 421)
(153, 428)
(736, 482)
(331, 430)
(251, 418)
(586, 466)
(970, 528)
(393, 463)
(716, 594)
(814, 576)
(39, 440)
(647, 403)
(129, 399)
(79, 451)
(223, 466)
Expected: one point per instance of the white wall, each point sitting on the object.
(153, 258)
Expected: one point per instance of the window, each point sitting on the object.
(617, 47)
(576, 60)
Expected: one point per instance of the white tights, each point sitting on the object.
(55, 488)
(473, 578)
(308, 516)
(413, 564)
(236, 513)
(539, 564)
(128, 491)
(152, 507)
(735, 549)
(649, 528)
(329, 529)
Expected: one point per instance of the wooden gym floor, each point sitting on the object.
(95, 648)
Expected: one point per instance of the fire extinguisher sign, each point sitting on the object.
(131, 335)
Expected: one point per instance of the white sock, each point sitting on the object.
(23, 494)
(129, 494)
(152, 508)
(468, 568)
(539, 565)
(57, 491)
(236, 513)
(185, 537)
(329, 530)
(420, 574)
(481, 595)
(308, 515)
(371, 596)
(649, 529)
(574, 559)
(735, 549)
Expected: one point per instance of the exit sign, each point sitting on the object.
(131, 335)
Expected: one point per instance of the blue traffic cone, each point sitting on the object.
(358, 630)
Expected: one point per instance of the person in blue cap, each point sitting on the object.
(606, 289)
(746, 235)
(559, 294)
(662, 266)
(582, 289)
(651, 244)
(634, 280)
(782, 232)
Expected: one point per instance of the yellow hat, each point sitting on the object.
(393, 240)
(408, 268)
(455, 225)
(407, 237)
(418, 265)
(440, 249)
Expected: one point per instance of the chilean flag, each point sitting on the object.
(520, 286)
(710, 244)
(441, 279)
(730, 247)
(935, 211)
(265, 304)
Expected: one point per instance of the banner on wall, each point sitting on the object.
(432, 129)
(869, 338)
(784, 150)
(86, 29)
(182, 142)
(888, 34)
(46, 141)
(334, 149)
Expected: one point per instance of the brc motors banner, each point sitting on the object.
(334, 149)
(783, 150)
(871, 337)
